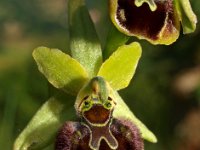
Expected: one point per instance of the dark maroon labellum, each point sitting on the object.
(75, 136)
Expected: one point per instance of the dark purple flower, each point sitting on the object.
(157, 21)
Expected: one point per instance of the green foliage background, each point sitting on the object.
(164, 94)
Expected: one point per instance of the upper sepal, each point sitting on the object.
(84, 43)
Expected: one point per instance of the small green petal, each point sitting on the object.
(43, 127)
(84, 43)
(120, 67)
(60, 69)
(187, 16)
(122, 111)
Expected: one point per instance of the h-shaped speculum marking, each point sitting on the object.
(151, 4)
(97, 134)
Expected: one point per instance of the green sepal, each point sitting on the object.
(61, 70)
(122, 111)
(42, 129)
(114, 40)
(84, 43)
(186, 15)
(120, 67)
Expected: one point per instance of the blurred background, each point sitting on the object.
(164, 94)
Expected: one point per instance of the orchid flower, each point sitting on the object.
(157, 21)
